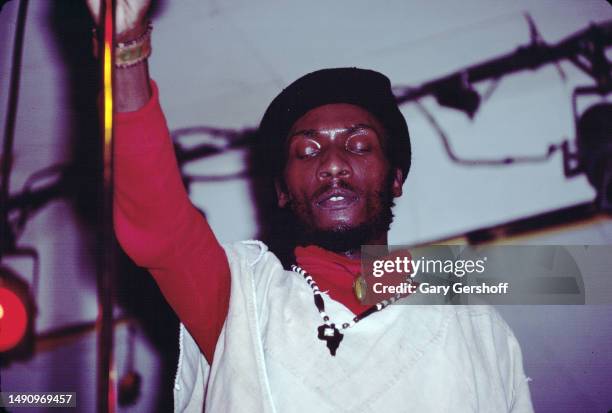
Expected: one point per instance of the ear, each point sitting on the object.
(398, 182)
(281, 194)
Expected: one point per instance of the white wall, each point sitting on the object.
(220, 63)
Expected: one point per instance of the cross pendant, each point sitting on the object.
(332, 337)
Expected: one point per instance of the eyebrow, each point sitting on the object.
(349, 129)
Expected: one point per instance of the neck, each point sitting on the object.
(355, 253)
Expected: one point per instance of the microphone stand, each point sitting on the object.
(106, 264)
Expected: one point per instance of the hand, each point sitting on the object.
(130, 17)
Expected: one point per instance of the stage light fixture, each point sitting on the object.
(17, 312)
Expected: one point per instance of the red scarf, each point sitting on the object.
(334, 273)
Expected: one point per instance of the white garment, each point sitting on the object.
(417, 358)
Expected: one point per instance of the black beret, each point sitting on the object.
(365, 88)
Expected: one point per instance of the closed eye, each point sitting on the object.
(304, 148)
(360, 143)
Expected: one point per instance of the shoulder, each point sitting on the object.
(252, 260)
(480, 313)
(483, 322)
(252, 253)
(247, 252)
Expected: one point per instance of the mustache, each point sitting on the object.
(336, 185)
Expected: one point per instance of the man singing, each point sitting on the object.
(260, 336)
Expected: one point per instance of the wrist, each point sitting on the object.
(133, 33)
(131, 47)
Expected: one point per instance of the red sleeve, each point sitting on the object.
(161, 230)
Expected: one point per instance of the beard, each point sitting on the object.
(345, 237)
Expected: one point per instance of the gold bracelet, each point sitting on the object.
(129, 53)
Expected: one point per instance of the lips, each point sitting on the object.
(336, 198)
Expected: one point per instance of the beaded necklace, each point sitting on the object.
(328, 331)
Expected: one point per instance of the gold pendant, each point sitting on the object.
(360, 288)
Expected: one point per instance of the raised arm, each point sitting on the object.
(155, 222)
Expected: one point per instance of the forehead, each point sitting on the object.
(336, 116)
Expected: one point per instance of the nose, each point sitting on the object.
(334, 164)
